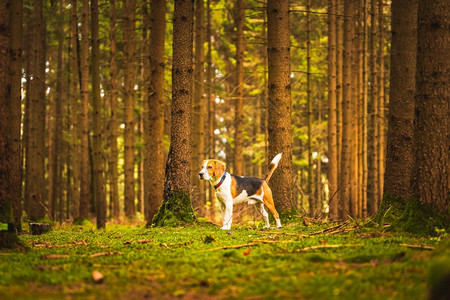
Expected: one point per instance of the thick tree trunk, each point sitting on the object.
(400, 135)
(176, 207)
(279, 106)
(8, 159)
(154, 159)
(432, 111)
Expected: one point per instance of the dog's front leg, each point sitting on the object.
(227, 214)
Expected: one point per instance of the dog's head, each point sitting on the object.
(211, 168)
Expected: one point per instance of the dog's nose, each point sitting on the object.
(200, 175)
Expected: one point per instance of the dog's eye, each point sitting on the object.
(209, 167)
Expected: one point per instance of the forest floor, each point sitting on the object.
(321, 261)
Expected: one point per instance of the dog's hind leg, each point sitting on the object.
(263, 212)
(268, 201)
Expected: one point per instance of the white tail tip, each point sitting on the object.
(276, 159)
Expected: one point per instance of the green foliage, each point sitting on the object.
(175, 211)
(193, 261)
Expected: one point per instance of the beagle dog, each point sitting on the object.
(231, 189)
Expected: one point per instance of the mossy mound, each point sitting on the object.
(176, 210)
(411, 216)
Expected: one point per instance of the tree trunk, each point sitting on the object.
(99, 188)
(75, 109)
(84, 172)
(431, 123)
(239, 99)
(199, 109)
(373, 182)
(311, 199)
(113, 156)
(332, 112)
(400, 135)
(36, 146)
(155, 115)
(355, 99)
(211, 106)
(129, 49)
(176, 207)
(8, 159)
(279, 106)
(15, 108)
(346, 152)
(55, 175)
(381, 103)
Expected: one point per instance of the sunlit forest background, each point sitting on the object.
(89, 112)
(66, 120)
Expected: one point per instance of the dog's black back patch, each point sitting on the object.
(249, 184)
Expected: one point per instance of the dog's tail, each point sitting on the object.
(273, 166)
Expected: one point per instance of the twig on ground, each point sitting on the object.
(422, 247)
(327, 246)
(105, 254)
(255, 243)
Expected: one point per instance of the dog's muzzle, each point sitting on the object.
(200, 175)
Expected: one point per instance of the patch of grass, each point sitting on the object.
(203, 261)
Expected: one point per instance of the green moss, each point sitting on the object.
(175, 211)
(288, 216)
(411, 216)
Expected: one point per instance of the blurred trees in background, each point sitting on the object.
(97, 110)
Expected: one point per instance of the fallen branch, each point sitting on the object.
(255, 243)
(105, 254)
(327, 246)
(422, 247)
(45, 245)
(54, 256)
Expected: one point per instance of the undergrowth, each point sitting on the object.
(321, 261)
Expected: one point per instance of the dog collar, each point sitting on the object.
(221, 181)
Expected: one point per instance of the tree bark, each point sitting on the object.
(97, 148)
(15, 108)
(347, 107)
(332, 112)
(372, 143)
(279, 103)
(36, 145)
(431, 122)
(154, 159)
(75, 109)
(129, 49)
(112, 140)
(400, 135)
(84, 172)
(239, 99)
(199, 109)
(8, 161)
(177, 207)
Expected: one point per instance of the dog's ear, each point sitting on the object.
(219, 168)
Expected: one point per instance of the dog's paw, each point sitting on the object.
(225, 227)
